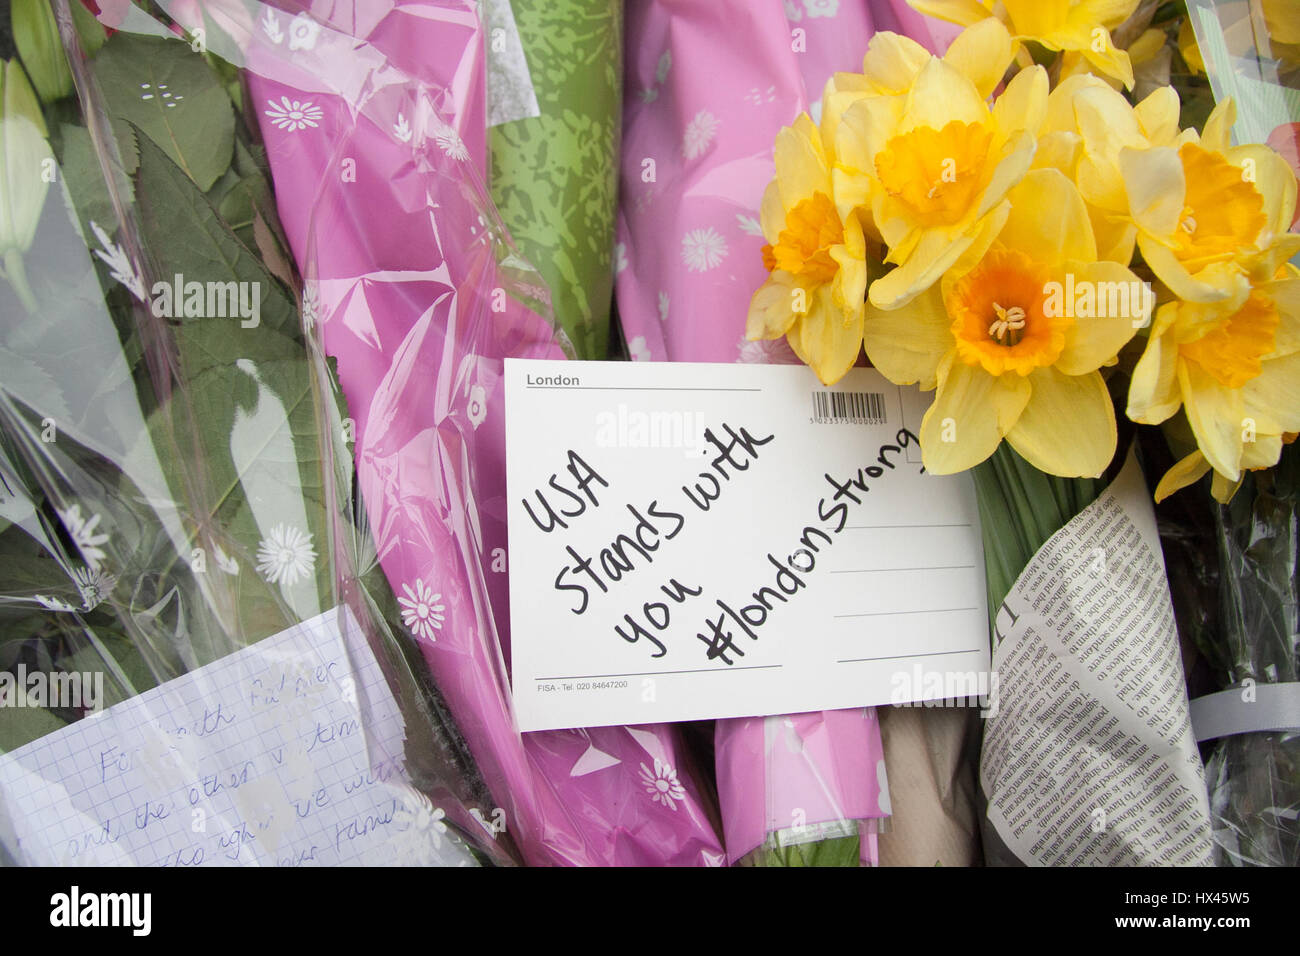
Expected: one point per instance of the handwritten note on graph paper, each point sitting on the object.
(287, 752)
(693, 541)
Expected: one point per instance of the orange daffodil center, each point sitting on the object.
(816, 259)
(1232, 351)
(998, 316)
(803, 249)
(935, 173)
(1222, 211)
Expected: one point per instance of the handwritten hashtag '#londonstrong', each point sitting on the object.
(720, 641)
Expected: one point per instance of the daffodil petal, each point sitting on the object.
(983, 52)
(866, 129)
(933, 255)
(1186, 471)
(1173, 273)
(1263, 452)
(1216, 135)
(893, 62)
(829, 340)
(771, 309)
(1273, 396)
(1222, 490)
(1273, 178)
(1153, 390)
(1068, 425)
(1023, 104)
(800, 162)
(907, 345)
(1215, 414)
(1158, 115)
(1113, 62)
(1122, 308)
(1058, 150)
(1037, 17)
(964, 12)
(1285, 294)
(1048, 219)
(940, 95)
(850, 285)
(985, 235)
(771, 213)
(1017, 156)
(1153, 179)
(971, 412)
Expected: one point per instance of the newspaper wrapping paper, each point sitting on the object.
(554, 177)
(707, 87)
(1089, 756)
(417, 294)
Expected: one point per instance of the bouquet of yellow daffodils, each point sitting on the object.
(1004, 226)
(1004, 250)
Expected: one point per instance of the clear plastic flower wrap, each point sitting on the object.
(377, 140)
(199, 660)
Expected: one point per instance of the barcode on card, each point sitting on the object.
(863, 408)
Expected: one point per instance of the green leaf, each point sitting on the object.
(187, 237)
(84, 177)
(838, 851)
(22, 725)
(172, 95)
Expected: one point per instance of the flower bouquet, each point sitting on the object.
(1025, 245)
(188, 614)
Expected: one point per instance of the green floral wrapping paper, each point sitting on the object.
(554, 177)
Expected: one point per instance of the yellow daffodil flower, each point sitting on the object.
(1013, 338)
(1079, 27)
(1206, 203)
(816, 260)
(1232, 365)
(890, 69)
(1087, 124)
(934, 161)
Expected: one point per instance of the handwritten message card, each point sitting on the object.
(693, 541)
(285, 753)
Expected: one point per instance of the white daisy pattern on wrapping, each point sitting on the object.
(476, 405)
(82, 532)
(402, 129)
(662, 785)
(638, 349)
(293, 115)
(703, 249)
(663, 306)
(421, 611)
(699, 134)
(310, 305)
(450, 143)
(94, 586)
(271, 27)
(303, 32)
(285, 555)
(120, 266)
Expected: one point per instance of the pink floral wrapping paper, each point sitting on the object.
(374, 122)
(707, 87)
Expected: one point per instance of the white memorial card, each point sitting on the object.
(695, 541)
